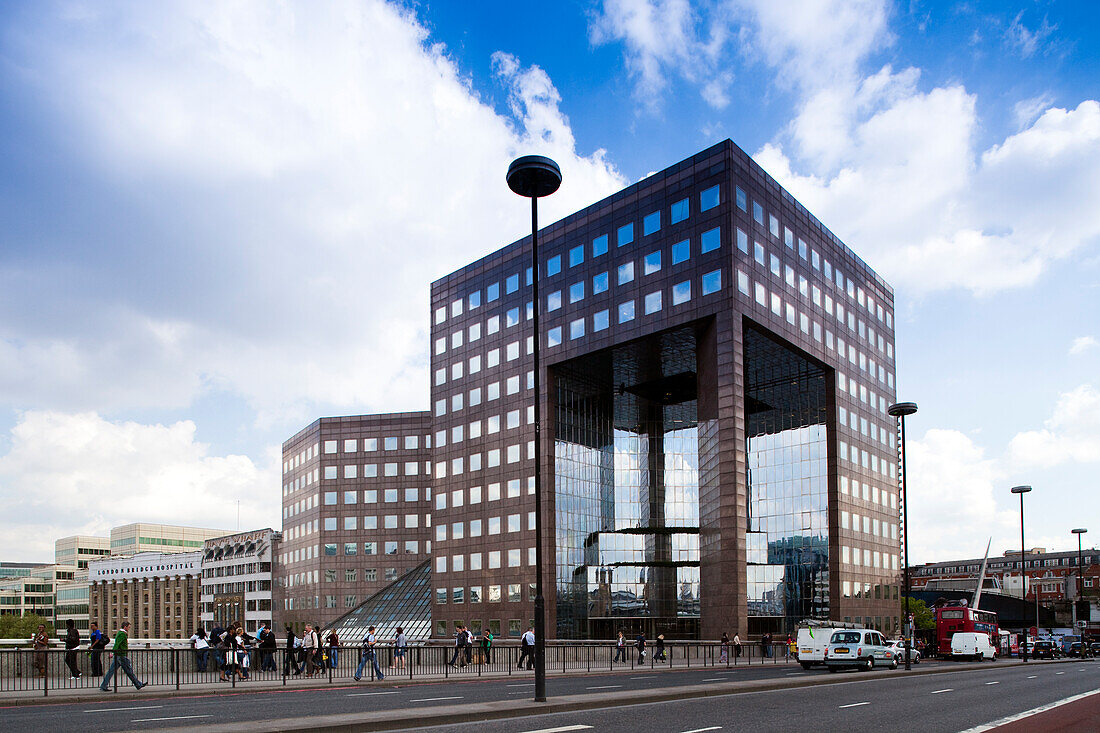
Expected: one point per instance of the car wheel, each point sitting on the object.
(894, 664)
(870, 664)
(806, 666)
(832, 669)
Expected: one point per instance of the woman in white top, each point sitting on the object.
(202, 649)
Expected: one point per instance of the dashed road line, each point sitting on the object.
(947, 689)
(603, 687)
(994, 682)
(433, 699)
(370, 694)
(174, 717)
(562, 729)
(701, 730)
(853, 705)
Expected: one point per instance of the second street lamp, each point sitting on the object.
(533, 176)
(1080, 589)
(1021, 490)
(900, 410)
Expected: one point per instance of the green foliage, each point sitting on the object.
(923, 616)
(22, 627)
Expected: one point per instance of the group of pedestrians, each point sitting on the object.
(234, 650)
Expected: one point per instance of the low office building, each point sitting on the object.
(71, 601)
(158, 593)
(130, 539)
(237, 580)
(356, 511)
(36, 591)
(79, 550)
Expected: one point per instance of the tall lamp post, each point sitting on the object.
(1080, 588)
(900, 410)
(533, 176)
(1021, 490)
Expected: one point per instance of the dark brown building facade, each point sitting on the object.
(718, 457)
(356, 512)
(159, 594)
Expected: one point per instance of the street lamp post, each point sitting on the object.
(900, 410)
(1021, 490)
(1080, 588)
(533, 176)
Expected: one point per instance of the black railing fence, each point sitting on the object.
(25, 669)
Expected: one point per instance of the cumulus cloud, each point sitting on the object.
(1081, 344)
(265, 193)
(1072, 434)
(77, 473)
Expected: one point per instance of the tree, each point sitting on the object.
(924, 618)
(22, 627)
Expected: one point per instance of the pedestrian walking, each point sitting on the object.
(736, 647)
(659, 654)
(792, 650)
(468, 645)
(243, 647)
(333, 642)
(400, 646)
(121, 658)
(460, 644)
(309, 649)
(639, 644)
(724, 649)
(290, 653)
(201, 647)
(41, 641)
(527, 648)
(227, 654)
(487, 646)
(369, 654)
(72, 642)
(268, 644)
(620, 648)
(96, 643)
(766, 643)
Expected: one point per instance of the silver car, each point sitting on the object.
(898, 645)
(860, 649)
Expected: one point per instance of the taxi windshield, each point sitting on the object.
(846, 637)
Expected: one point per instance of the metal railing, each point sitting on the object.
(27, 670)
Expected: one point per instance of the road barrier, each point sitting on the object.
(26, 669)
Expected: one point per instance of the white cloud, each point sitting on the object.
(80, 474)
(284, 181)
(1072, 434)
(1081, 344)
(1026, 41)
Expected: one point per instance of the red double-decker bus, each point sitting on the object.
(951, 620)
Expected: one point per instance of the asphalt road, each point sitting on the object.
(948, 702)
(941, 703)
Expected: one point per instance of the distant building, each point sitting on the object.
(80, 549)
(237, 575)
(1053, 575)
(130, 539)
(35, 591)
(356, 511)
(157, 592)
(71, 601)
(18, 569)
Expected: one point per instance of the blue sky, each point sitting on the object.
(219, 222)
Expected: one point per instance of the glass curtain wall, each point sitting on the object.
(787, 449)
(627, 490)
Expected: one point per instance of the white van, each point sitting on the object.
(811, 644)
(972, 645)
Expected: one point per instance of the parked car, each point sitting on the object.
(1075, 649)
(898, 645)
(811, 644)
(1094, 648)
(972, 645)
(1044, 650)
(858, 649)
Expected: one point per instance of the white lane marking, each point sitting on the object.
(1031, 676)
(853, 705)
(995, 682)
(525, 684)
(936, 692)
(562, 729)
(174, 717)
(603, 687)
(433, 699)
(1059, 673)
(1029, 713)
(651, 677)
(701, 730)
(117, 710)
(714, 679)
(369, 694)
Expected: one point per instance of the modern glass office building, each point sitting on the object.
(717, 452)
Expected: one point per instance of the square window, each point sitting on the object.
(681, 251)
(653, 302)
(350, 522)
(350, 497)
(330, 524)
(626, 272)
(599, 245)
(625, 234)
(330, 472)
(742, 241)
(681, 292)
(511, 317)
(712, 239)
(492, 292)
(758, 213)
(576, 256)
(553, 301)
(651, 223)
(599, 283)
(350, 446)
(679, 211)
(758, 252)
(626, 311)
(708, 199)
(742, 200)
(600, 320)
(492, 325)
(652, 263)
(712, 282)
(576, 329)
(553, 265)
(511, 284)
(576, 292)
(553, 338)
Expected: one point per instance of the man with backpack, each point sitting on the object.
(460, 645)
(369, 654)
(487, 646)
